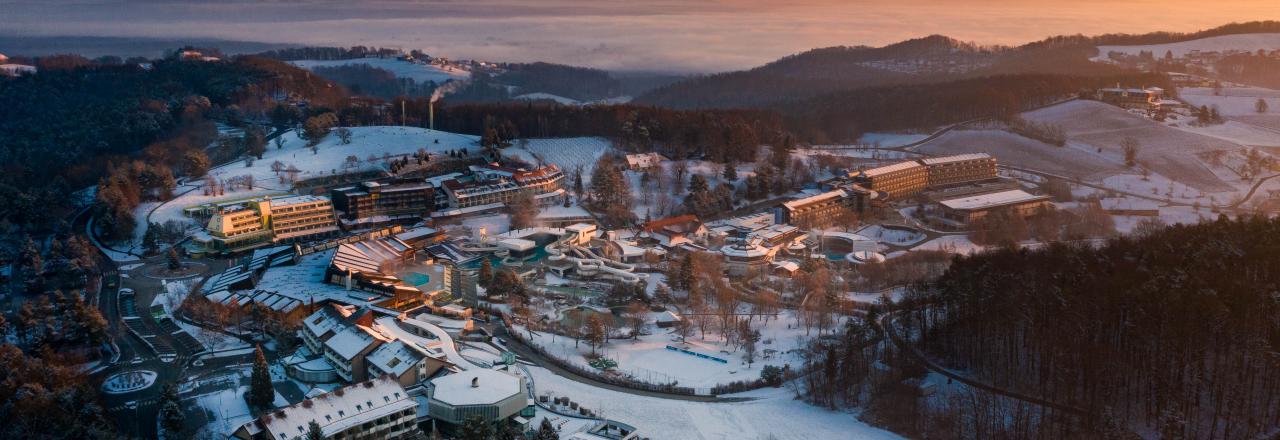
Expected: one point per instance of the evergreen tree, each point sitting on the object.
(698, 184)
(546, 431)
(686, 272)
(261, 392)
(475, 428)
(730, 171)
(171, 417)
(314, 432)
(149, 239)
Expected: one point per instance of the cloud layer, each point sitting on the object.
(664, 35)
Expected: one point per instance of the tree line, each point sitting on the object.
(1172, 330)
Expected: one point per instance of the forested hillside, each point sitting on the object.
(843, 116)
(836, 69)
(63, 126)
(1176, 331)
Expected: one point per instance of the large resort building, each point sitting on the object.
(241, 226)
(376, 203)
(897, 181)
(960, 169)
(495, 185)
(817, 211)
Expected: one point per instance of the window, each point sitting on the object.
(328, 418)
(342, 413)
(358, 408)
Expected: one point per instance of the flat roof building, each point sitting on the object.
(975, 207)
(493, 395)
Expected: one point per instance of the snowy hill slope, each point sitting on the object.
(1249, 42)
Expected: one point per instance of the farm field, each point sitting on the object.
(1092, 126)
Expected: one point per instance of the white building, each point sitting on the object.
(378, 408)
(493, 395)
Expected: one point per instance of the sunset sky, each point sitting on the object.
(664, 35)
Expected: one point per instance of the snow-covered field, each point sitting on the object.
(889, 140)
(773, 414)
(1233, 101)
(1249, 42)
(404, 69)
(1015, 150)
(566, 153)
(648, 359)
(1233, 131)
(1093, 126)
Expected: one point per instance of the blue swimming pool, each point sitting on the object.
(417, 279)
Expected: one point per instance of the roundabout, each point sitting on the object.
(162, 272)
(128, 382)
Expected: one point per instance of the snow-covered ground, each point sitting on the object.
(1249, 42)
(888, 140)
(227, 410)
(420, 73)
(773, 414)
(566, 153)
(329, 159)
(648, 360)
(894, 236)
(1233, 101)
(541, 96)
(1233, 131)
(956, 244)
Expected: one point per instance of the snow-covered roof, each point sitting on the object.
(517, 244)
(350, 341)
(416, 233)
(800, 203)
(490, 387)
(339, 410)
(368, 255)
(955, 158)
(900, 166)
(992, 200)
(394, 358)
(555, 212)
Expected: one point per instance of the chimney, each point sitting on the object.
(431, 114)
(475, 382)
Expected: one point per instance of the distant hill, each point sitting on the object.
(925, 60)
